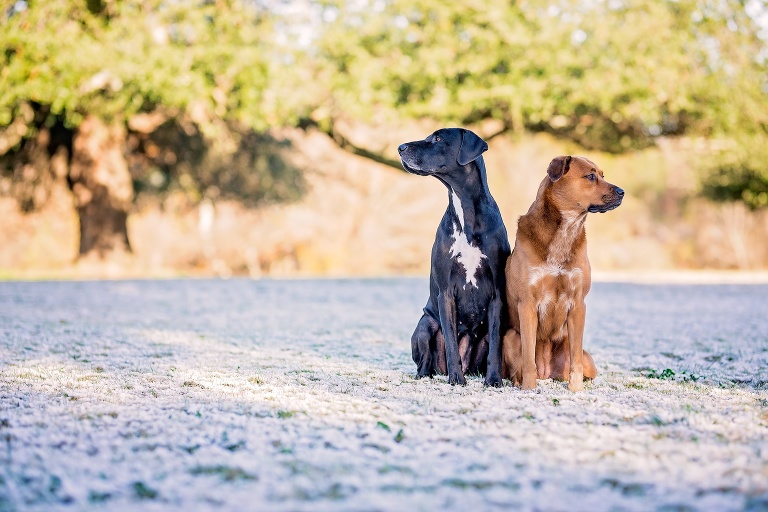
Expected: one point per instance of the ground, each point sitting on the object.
(300, 395)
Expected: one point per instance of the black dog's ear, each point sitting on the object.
(558, 167)
(472, 147)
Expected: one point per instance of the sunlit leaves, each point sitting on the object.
(209, 60)
(611, 75)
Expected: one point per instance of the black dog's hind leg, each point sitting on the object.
(465, 353)
(423, 346)
(479, 357)
(438, 356)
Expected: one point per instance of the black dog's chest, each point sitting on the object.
(470, 274)
(473, 288)
(472, 307)
(467, 260)
(465, 264)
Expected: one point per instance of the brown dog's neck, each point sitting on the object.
(555, 236)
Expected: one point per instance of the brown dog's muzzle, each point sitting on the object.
(610, 202)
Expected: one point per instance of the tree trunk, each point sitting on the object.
(102, 187)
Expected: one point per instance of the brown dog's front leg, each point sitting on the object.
(529, 324)
(575, 324)
(447, 307)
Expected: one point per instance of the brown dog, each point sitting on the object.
(548, 276)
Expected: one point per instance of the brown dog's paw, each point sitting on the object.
(529, 382)
(576, 383)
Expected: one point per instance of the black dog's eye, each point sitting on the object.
(590, 177)
(436, 138)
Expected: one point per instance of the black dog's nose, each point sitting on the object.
(402, 147)
(619, 191)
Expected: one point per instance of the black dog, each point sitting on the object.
(459, 331)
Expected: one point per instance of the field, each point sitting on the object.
(300, 395)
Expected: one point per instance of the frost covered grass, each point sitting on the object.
(300, 395)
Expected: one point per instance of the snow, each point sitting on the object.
(300, 395)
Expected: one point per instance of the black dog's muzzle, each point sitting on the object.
(411, 162)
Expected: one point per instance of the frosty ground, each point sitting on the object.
(300, 395)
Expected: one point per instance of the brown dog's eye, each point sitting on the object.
(590, 177)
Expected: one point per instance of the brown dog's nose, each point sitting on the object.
(619, 191)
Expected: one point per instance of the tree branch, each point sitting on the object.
(347, 145)
(504, 129)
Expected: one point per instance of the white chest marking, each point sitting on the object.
(560, 250)
(469, 256)
(536, 274)
(544, 303)
(565, 237)
(457, 208)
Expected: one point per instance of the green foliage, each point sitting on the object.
(118, 58)
(201, 69)
(144, 492)
(669, 374)
(738, 173)
(227, 473)
(172, 159)
(666, 374)
(609, 75)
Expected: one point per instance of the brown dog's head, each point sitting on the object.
(577, 184)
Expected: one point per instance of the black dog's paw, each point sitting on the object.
(457, 378)
(425, 370)
(493, 380)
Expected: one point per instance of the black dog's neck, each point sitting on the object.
(472, 196)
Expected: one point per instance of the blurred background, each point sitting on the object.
(256, 137)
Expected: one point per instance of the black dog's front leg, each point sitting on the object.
(493, 376)
(447, 307)
(421, 346)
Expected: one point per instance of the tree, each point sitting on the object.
(185, 90)
(611, 75)
(77, 79)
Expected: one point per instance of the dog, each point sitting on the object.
(460, 330)
(548, 276)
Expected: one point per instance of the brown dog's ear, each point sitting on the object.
(472, 147)
(558, 167)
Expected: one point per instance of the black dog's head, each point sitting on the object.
(444, 151)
